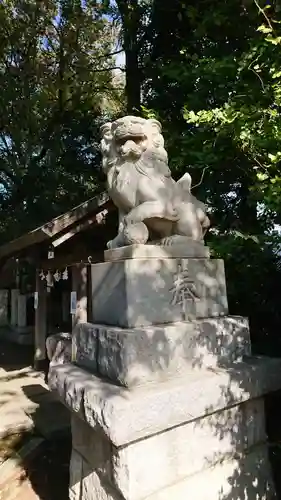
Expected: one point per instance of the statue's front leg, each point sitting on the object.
(150, 210)
(131, 230)
(132, 226)
(135, 223)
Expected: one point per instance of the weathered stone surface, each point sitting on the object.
(135, 356)
(148, 465)
(186, 450)
(96, 487)
(245, 476)
(141, 292)
(59, 348)
(85, 483)
(84, 345)
(93, 445)
(126, 416)
(248, 477)
(189, 249)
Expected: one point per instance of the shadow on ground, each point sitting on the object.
(15, 357)
(48, 470)
(43, 452)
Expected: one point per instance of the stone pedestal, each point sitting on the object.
(139, 292)
(14, 306)
(166, 400)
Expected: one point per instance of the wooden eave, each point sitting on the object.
(53, 229)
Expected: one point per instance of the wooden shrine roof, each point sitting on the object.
(61, 228)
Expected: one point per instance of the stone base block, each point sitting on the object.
(127, 416)
(141, 292)
(156, 353)
(247, 476)
(201, 436)
(144, 467)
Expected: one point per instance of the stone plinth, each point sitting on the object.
(188, 248)
(237, 478)
(139, 355)
(141, 292)
(127, 416)
(138, 444)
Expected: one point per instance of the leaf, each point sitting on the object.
(264, 29)
(262, 176)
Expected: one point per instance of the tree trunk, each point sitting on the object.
(247, 210)
(129, 11)
(132, 81)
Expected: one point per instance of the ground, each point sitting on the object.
(35, 438)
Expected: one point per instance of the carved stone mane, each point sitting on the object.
(139, 181)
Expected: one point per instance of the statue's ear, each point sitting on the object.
(106, 127)
(155, 123)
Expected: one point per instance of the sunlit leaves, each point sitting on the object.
(54, 83)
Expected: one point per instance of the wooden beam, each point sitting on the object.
(62, 222)
(55, 226)
(72, 232)
(97, 219)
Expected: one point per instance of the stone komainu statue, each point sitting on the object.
(152, 206)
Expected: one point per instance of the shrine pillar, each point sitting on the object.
(40, 304)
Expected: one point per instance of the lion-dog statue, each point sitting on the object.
(152, 206)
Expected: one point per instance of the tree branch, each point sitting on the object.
(108, 69)
(264, 14)
(110, 54)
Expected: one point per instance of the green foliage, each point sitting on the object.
(253, 277)
(212, 75)
(54, 84)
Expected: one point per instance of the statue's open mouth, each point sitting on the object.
(123, 138)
